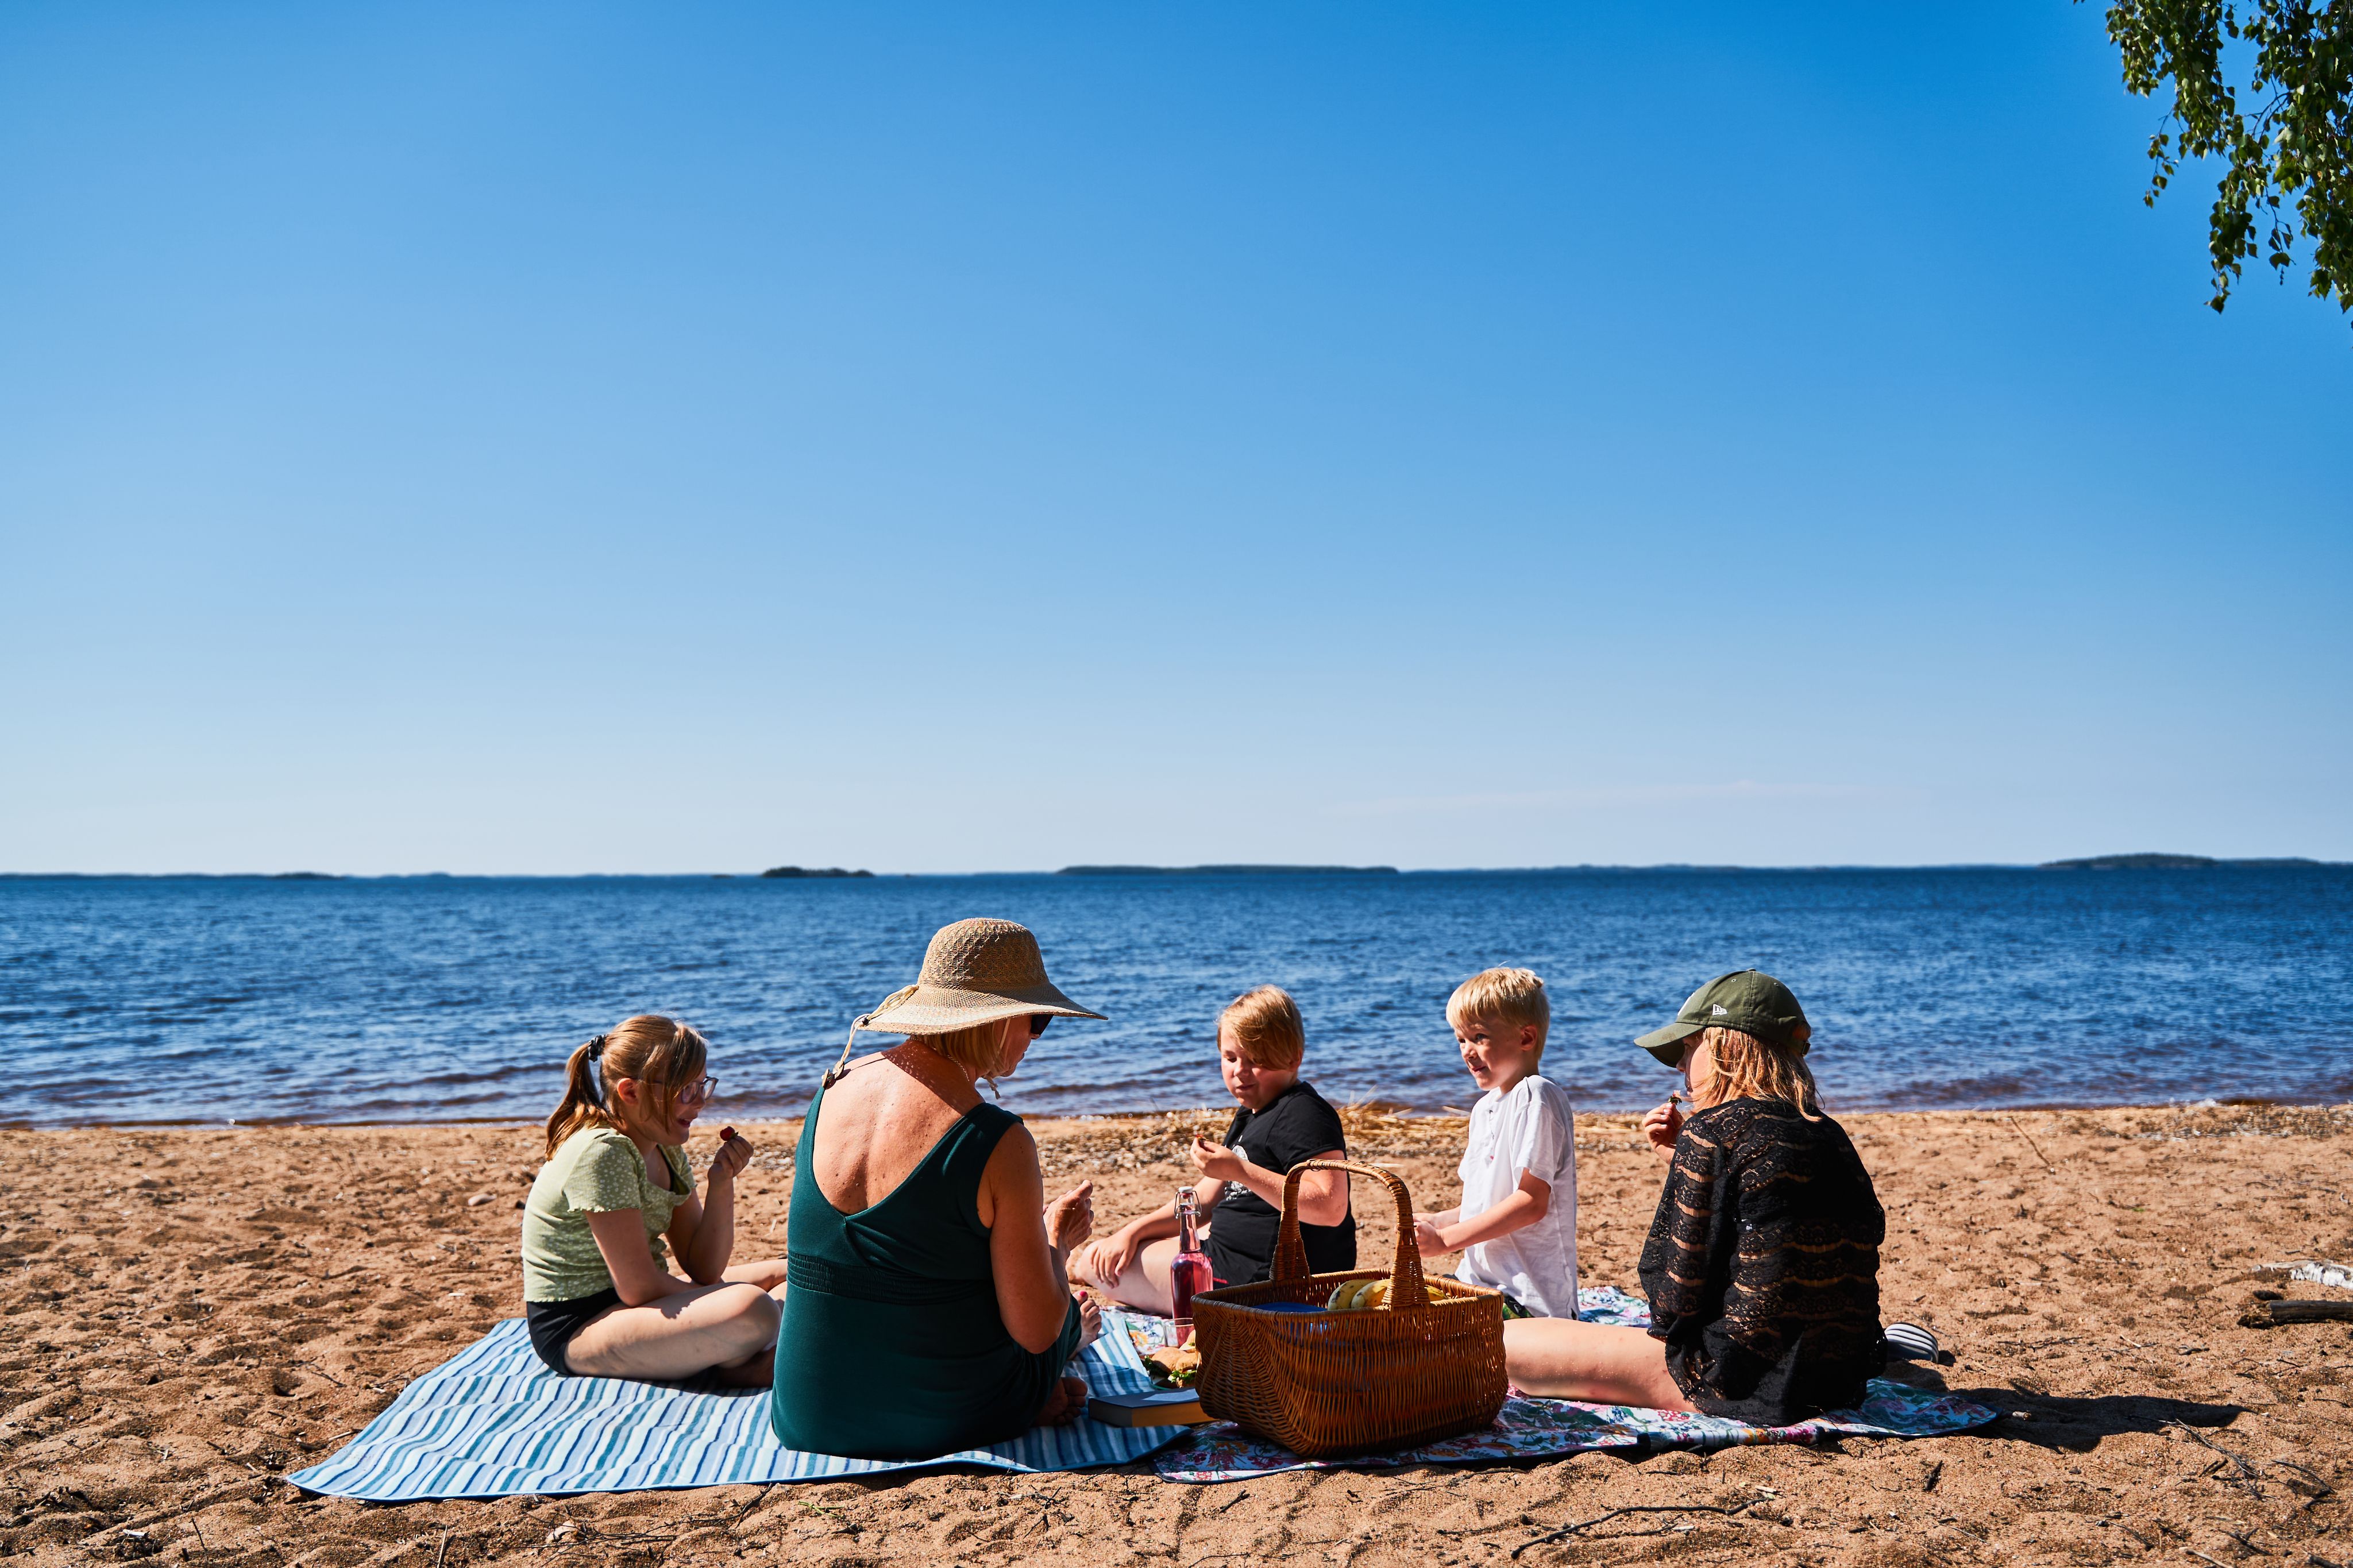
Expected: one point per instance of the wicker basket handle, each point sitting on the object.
(1291, 1248)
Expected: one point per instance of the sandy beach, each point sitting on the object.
(194, 1312)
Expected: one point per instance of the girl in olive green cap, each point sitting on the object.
(1762, 1264)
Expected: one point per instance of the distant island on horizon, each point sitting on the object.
(2154, 862)
(2139, 861)
(2145, 861)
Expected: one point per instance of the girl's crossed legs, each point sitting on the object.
(730, 1328)
(1603, 1363)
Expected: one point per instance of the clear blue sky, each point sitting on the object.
(506, 437)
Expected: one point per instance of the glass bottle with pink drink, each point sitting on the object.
(1188, 1271)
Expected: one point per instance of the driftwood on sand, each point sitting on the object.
(2261, 1314)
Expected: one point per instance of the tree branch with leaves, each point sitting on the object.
(2289, 170)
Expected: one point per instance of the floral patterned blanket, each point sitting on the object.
(1220, 1451)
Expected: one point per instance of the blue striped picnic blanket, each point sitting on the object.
(494, 1422)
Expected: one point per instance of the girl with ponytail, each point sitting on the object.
(598, 1295)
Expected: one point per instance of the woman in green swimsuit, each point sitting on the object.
(928, 1310)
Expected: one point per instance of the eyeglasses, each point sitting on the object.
(1037, 1022)
(693, 1094)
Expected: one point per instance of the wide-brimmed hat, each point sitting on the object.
(1749, 1000)
(975, 971)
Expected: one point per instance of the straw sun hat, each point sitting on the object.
(974, 972)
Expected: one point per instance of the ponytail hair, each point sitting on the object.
(658, 1051)
(1742, 1067)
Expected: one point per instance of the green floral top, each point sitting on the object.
(595, 1171)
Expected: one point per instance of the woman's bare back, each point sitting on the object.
(881, 1119)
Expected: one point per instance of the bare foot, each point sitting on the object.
(1090, 1318)
(1066, 1403)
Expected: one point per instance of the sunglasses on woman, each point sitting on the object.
(1037, 1022)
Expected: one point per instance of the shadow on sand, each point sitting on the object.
(2056, 1421)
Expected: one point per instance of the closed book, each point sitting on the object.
(1160, 1407)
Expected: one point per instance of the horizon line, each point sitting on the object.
(1103, 871)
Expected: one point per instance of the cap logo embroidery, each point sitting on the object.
(1720, 1010)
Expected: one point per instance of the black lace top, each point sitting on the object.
(1762, 1265)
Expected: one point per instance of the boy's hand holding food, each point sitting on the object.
(1070, 1219)
(1216, 1161)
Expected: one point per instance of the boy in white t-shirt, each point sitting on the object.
(1516, 1226)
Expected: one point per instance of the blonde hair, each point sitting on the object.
(1742, 1067)
(1266, 1025)
(978, 1048)
(650, 1047)
(1508, 997)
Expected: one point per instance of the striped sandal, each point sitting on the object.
(1910, 1342)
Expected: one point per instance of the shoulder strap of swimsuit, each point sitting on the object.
(805, 1152)
(965, 1158)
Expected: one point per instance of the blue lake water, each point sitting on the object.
(455, 998)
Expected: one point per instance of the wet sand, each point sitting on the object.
(193, 1312)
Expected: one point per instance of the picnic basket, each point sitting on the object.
(1324, 1385)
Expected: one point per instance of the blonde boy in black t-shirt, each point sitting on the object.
(1281, 1121)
